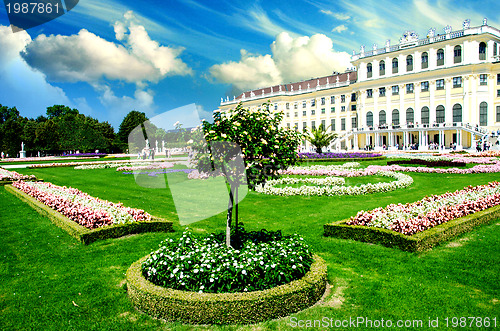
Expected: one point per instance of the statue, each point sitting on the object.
(447, 29)
(485, 21)
(466, 24)
(431, 33)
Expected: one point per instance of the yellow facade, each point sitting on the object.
(442, 91)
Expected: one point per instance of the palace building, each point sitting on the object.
(440, 91)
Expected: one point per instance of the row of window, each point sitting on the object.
(424, 58)
(332, 125)
(322, 101)
(424, 115)
(323, 111)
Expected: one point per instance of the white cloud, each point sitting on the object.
(292, 59)
(339, 16)
(339, 28)
(23, 87)
(89, 58)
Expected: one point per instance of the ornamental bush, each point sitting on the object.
(205, 264)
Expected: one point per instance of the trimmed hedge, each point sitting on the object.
(226, 308)
(437, 163)
(86, 235)
(418, 242)
(343, 159)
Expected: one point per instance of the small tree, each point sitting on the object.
(265, 146)
(319, 138)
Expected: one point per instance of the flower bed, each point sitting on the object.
(162, 165)
(437, 163)
(87, 235)
(357, 155)
(477, 169)
(430, 211)
(459, 158)
(244, 286)
(155, 173)
(8, 176)
(80, 207)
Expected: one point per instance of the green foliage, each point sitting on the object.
(319, 138)
(86, 235)
(226, 308)
(129, 123)
(266, 147)
(418, 242)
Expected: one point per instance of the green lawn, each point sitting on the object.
(50, 281)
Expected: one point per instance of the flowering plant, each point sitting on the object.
(80, 207)
(162, 165)
(12, 175)
(207, 265)
(430, 211)
(357, 155)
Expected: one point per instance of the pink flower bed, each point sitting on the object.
(477, 169)
(80, 207)
(431, 211)
(163, 165)
(12, 175)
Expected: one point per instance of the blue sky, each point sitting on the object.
(107, 58)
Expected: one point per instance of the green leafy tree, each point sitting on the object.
(129, 123)
(11, 128)
(266, 148)
(59, 110)
(319, 138)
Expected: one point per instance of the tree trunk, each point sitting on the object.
(229, 217)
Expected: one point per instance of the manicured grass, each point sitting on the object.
(43, 270)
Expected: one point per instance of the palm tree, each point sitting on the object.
(319, 138)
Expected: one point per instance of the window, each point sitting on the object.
(483, 114)
(498, 113)
(457, 82)
(313, 125)
(440, 57)
(303, 104)
(295, 105)
(381, 68)
(369, 70)
(425, 60)
(424, 115)
(409, 88)
(440, 84)
(483, 79)
(288, 125)
(275, 106)
(342, 98)
(395, 90)
(323, 124)
(440, 114)
(353, 97)
(323, 111)
(498, 93)
(287, 105)
(457, 113)
(482, 51)
(354, 122)
(353, 107)
(342, 124)
(296, 114)
(304, 113)
(369, 93)
(342, 109)
(332, 125)
(382, 91)
(287, 114)
(410, 116)
(332, 110)
(304, 126)
(457, 54)
(313, 112)
(424, 86)
(498, 79)
(323, 101)
(495, 49)
(394, 66)
(369, 119)
(381, 117)
(313, 102)
(409, 63)
(395, 117)
(332, 99)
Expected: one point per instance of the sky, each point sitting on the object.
(107, 58)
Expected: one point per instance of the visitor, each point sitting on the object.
(3, 155)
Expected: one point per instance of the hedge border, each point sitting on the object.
(304, 160)
(226, 308)
(87, 236)
(418, 242)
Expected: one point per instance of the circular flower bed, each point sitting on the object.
(206, 265)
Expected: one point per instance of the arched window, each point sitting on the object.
(382, 117)
(482, 51)
(410, 116)
(409, 63)
(424, 115)
(483, 114)
(395, 66)
(440, 57)
(440, 114)
(457, 113)
(369, 70)
(457, 54)
(381, 68)
(425, 60)
(369, 119)
(395, 117)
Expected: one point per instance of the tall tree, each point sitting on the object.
(129, 123)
